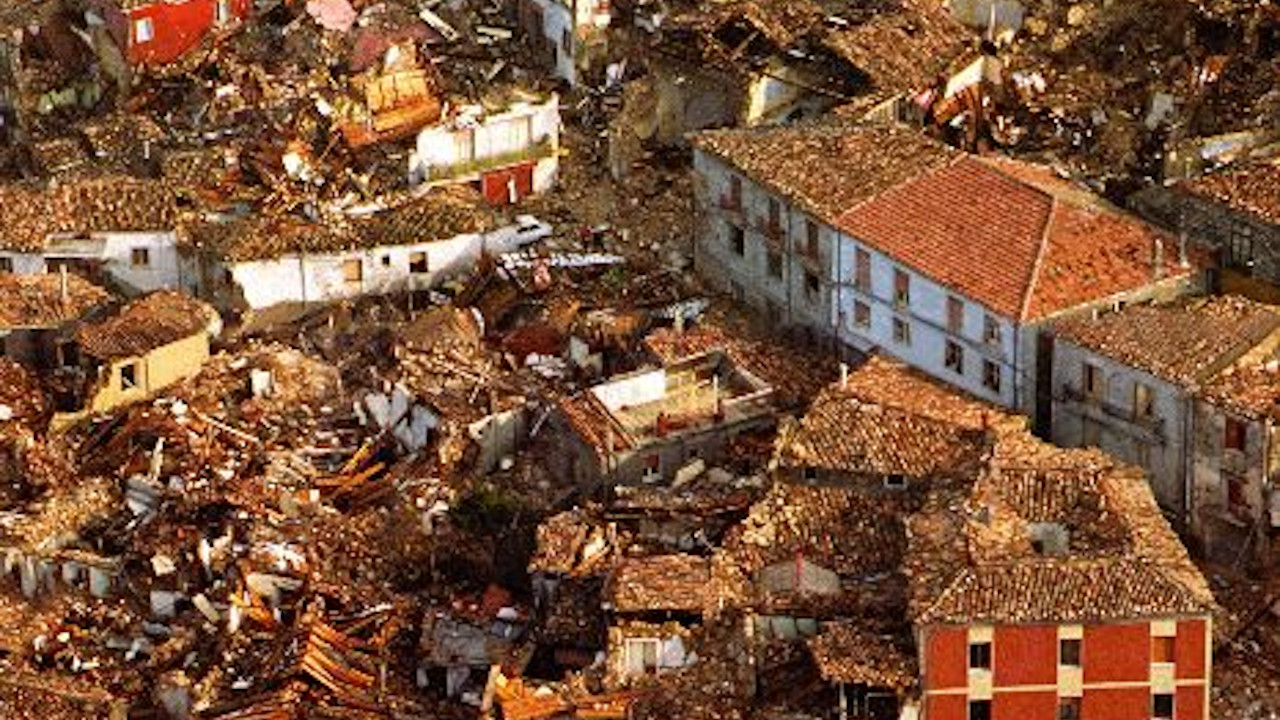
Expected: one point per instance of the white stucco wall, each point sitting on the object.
(164, 267)
(321, 277)
(557, 19)
(520, 128)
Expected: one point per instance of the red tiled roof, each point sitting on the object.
(145, 324)
(1011, 236)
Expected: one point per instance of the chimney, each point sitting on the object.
(1157, 259)
(844, 375)
(1182, 249)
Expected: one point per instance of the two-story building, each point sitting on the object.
(568, 34)
(878, 237)
(151, 32)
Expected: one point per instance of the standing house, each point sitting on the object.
(569, 34)
(117, 231)
(158, 32)
(1126, 382)
(38, 312)
(151, 343)
(644, 426)
(508, 154)
(264, 260)
(656, 605)
(1053, 588)
(949, 262)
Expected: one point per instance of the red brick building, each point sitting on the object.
(1055, 590)
(156, 32)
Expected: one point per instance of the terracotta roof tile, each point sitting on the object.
(39, 300)
(1252, 189)
(660, 582)
(904, 46)
(1250, 389)
(145, 324)
(845, 652)
(1184, 342)
(30, 213)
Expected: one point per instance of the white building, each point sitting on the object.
(262, 261)
(120, 231)
(878, 237)
(569, 33)
(508, 155)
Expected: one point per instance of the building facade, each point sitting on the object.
(158, 33)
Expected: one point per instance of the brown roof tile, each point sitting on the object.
(1251, 389)
(30, 213)
(660, 582)
(904, 46)
(845, 652)
(39, 300)
(1185, 342)
(145, 324)
(1252, 189)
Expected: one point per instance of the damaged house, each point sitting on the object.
(117, 231)
(1160, 387)
(38, 314)
(509, 154)
(656, 607)
(950, 262)
(745, 63)
(157, 32)
(151, 343)
(643, 427)
(568, 35)
(264, 260)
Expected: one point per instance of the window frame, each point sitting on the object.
(991, 369)
(641, 642)
(1235, 434)
(955, 315)
(1156, 712)
(140, 257)
(138, 34)
(6, 265)
(862, 271)
(130, 377)
(812, 238)
(861, 315)
(980, 651)
(901, 331)
(953, 357)
(773, 263)
(974, 705)
(1078, 652)
(737, 240)
(901, 288)
(1069, 708)
(353, 271)
(992, 334)
(1093, 382)
(1144, 401)
(1164, 649)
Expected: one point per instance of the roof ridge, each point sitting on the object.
(956, 160)
(1034, 276)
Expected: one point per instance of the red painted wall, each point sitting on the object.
(494, 184)
(1118, 652)
(947, 658)
(1188, 704)
(946, 707)
(1025, 655)
(1189, 649)
(1024, 706)
(178, 27)
(1116, 704)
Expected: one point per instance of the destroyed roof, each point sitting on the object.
(574, 542)
(660, 582)
(1252, 188)
(1011, 236)
(886, 418)
(1185, 342)
(973, 558)
(20, 391)
(847, 653)
(902, 47)
(30, 213)
(1251, 389)
(441, 214)
(43, 301)
(801, 161)
(150, 322)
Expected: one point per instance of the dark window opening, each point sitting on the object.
(6, 265)
(1069, 709)
(979, 710)
(1233, 435)
(418, 263)
(954, 358)
(991, 376)
(737, 240)
(1162, 706)
(811, 285)
(1162, 649)
(1069, 652)
(128, 376)
(140, 257)
(980, 656)
(775, 264)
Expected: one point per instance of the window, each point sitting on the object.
(417, 263)
(641, 655)
(222, 14)
(1069, 652)
(775, 214)
(566, 41)
(140, 257)
(735, 192)
(128, 376)
(6, 265)
(811, 285)
(862, 271)
(737, 240)
(955, 316)
(895, 481)
(901, 331)
(991, 376)
(352, 271)
(811, 239)
(901, 288)
(775, 264)
(1094, 383)
(143, 30)
(810, 474)
(1162, 706)
(1143, 403)
(1236, 502)
(980, 656)
(861, 314)
(386, 261)
(1233, 435)
(652, 469)
(1068, 708)
(1162, 649)
(954, 358)
(990, 330)
(979, 710)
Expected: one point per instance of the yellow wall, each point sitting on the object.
(156, 370)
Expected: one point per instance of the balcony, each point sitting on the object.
(1100, 409)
